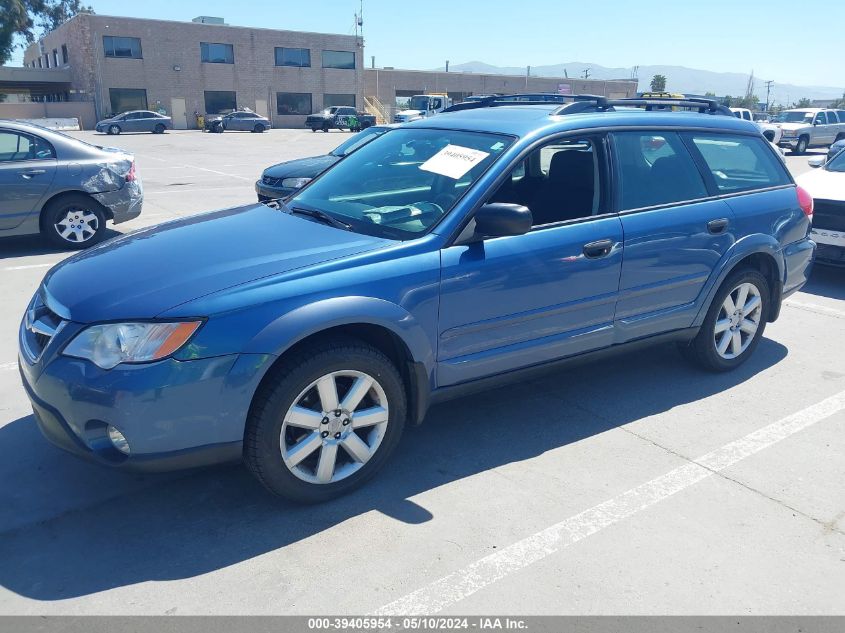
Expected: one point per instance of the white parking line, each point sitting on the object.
(8, 366)
(28, 266)
(463, 583)
(212, 171)
(815, 307)
(194, 189)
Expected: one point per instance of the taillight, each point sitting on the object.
(805, 200)
(130, 175)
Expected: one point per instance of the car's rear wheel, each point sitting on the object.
(113, 129)
(803, 144)
(158, 129)
(73, 221)
(734, 323)
(258, 129)
(326, 421)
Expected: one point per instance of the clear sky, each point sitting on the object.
(771, 36)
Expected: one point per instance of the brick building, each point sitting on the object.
(202, 66)
(207, 66)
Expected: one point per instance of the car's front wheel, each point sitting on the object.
(158, 129)
(114, 129)
(734, 323)
(73, 221)
(325, 421)
(803, 144)
(258, 129)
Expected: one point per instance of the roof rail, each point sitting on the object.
(534, 98)
(588, 103)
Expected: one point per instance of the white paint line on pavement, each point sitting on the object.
(815, 307)
(195, 189)
(461, 584)
(8, 366)
(212, 171)
(28, 266)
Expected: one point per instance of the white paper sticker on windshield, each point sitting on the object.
(454, 161)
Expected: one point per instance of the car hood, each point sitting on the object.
(409, 113)
(823, 184)
(302, 167)
(792, 126)
(150, 271)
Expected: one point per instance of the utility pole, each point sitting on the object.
(768, 91)
(587, 73)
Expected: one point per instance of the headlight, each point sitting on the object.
(111, 344)
(295, 183)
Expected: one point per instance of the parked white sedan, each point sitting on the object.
(827, 186)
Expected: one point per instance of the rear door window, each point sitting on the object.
(655, 168)
(739, 163)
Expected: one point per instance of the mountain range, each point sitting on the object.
(678, 79)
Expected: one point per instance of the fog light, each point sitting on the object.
(118, 440)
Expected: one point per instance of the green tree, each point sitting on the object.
(804, 102)
(21, 21)
(839, 103)
(658, 83)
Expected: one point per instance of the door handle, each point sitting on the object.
(717, 226)
(29, 173)
(600, 248)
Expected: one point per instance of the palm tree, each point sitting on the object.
(658, 83)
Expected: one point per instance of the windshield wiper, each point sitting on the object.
(322, 215)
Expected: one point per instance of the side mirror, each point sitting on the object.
(497, 219)
(816, 161)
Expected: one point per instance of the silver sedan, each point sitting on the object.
(136, 121)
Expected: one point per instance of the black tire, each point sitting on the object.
(314, 129)
(218, 129)
(839, 137)
(258, 129)
(803, 144)
(60, 208)
(702, 349)
(262, 453)
(113, 130)
(325, 127)
(158, 129)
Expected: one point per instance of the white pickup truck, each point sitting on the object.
(423, 106)
(810, 127)
(770, 131)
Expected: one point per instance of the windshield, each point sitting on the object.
(400, 184)
(837, 163)
(794, 117)
(359, 140)
(331, 110)
(419, 102)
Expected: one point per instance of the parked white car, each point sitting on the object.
(827, 186)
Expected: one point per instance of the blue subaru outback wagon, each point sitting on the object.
(444, 256)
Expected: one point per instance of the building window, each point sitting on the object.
(46, 60)
(39, 63)
(122, 47)
(123, 99)
(339, 59)
(220, 101)
(64, 53)
(300, 57)
(293, 103)
(213, 53)
(330, 100)
(55, 58)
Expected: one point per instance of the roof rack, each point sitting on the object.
(577, 104)
(590, 103)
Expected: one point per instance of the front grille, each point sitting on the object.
(40, 326)
(829, 214)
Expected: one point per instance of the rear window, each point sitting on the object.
(739, 163)
(655, 169)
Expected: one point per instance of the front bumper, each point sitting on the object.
(266, 192)
(125, 203)
(175, 414)
(790, 143)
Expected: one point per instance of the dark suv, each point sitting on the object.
(444, 256)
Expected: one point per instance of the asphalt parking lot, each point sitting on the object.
(634, 486)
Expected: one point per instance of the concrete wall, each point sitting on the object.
(82, 110)
(384, 84)
(168, 45)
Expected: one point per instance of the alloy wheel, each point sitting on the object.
(77, 225)
(334, 427)
(738, 320)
